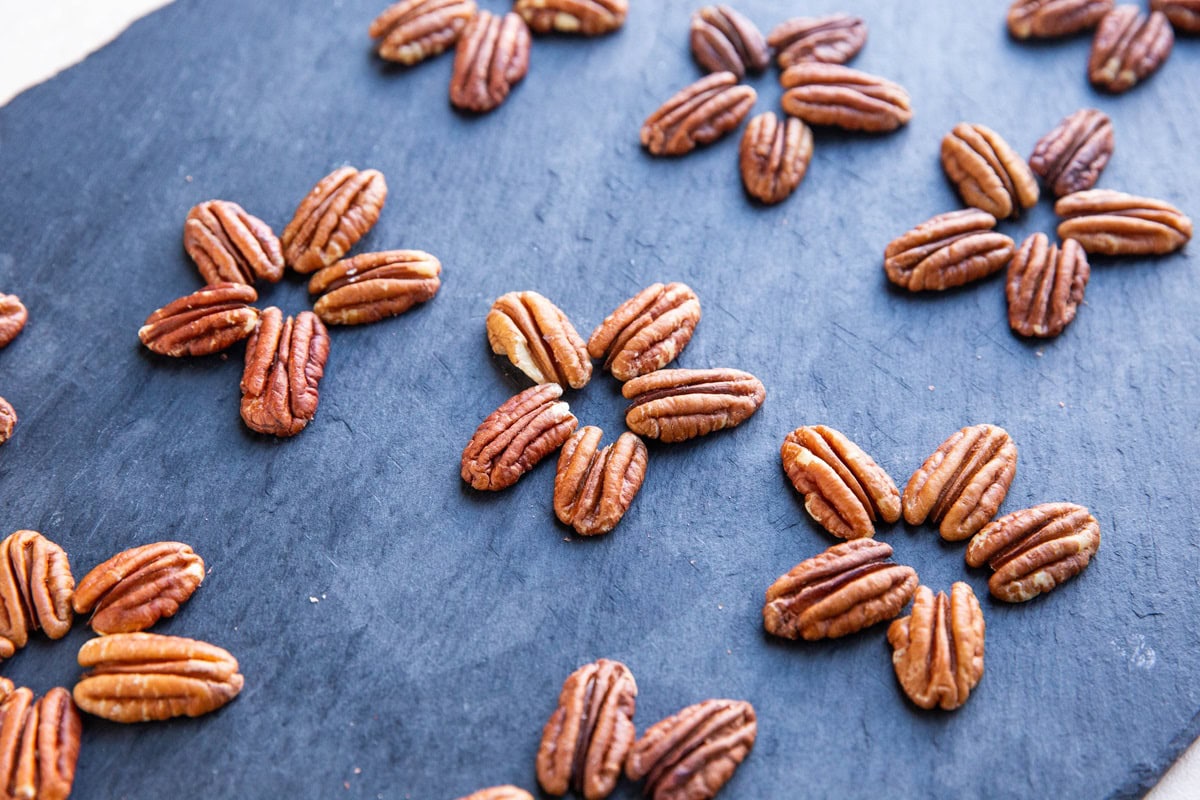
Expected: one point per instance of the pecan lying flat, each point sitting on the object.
(339, 211)
(8, 420)
(1117, 224)
(586, 739)
(594, 488)
(1071, 157)
(938, 648)
(39, 745)
(774, 157)
(284, 365)
(499, 793)
(848, 587)
(587, 17)
(12, 318)
(725, 41)
(830, 94)
(516, 436)
(203, 322)
(538, 339)
(35, 590)
(987, 172)
(136, 588)
(949, 250)
(492, 57)
(1045, 286)
(1129, 47)
(692, 754)
(1051, 18)
(413, 30)
(833, 40)
(1184, 15)
(698, 114)
(677, 404)
(230, 246)
(647, 331)
(372, 286)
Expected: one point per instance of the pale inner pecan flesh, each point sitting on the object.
(39, 745)
(1129, 47)
(413, 30)
(492, 57)
(725, 41)
(231, 246)
(698, 114)
(774, 156)
(1052, 18)
(830, 94)
(12, 318)
(339, 211)
(284, 365)
(594, 487)
(948, 250)
(202, 323)
(834, 39)
(987, 172)
(136, 588)
(586, 17)
(647, 331)
(1115, 224)
(1071, 157)
(938, 648)
(36, 586)
(691, 755)
(516, 436)
(539, 339)
(373, 286)
(673, 405)
(1045, 286)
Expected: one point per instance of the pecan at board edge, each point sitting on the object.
(584, 17)
(831, 94)
(13, 316)
(949, 250)
(1184, 15)
(230, 245)
(594, 487)
(1045, 286)
(285, 361)
(202, 323)
(987, 172)
(1071, 157)
(1112, 223)
(525, 429)
(834, 39)
(538, 339)
(137, 587)
(673, 405)
(507, 792)
(39, 744)
(937, 650)
(698, 114)
(332, 218)
(1129, 47)
(725, 41)
(492, 56)
(1045, 19)
(373, 286)
(647, 331)
(36, 586)
(8, 420)
(411, 31)
(774, 157)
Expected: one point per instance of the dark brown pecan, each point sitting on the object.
(698, 114)
(230, 246)
(8, 421)
(492, 56)
(774, 157)
(202, 323)
(516, 436)
(647, 331)
(677, 404)
(413, 30)
(373, 286)
(12, 318)
(284, 365)
(949, 250)
(594, 488)
(136, 588)
(586, 739)
(725, 41)
(833, 40)
(35, 590)
(1036, 549)
(39, 745)
(830, 94)
(499, 793)
(586, 17)
(1045, 286)
(1118, 224)
(692, 754)
(1128, 48)
(987, 172)
(339, 211)
(937, 650)
(1071, 157)
(538, 339)
(1051, 18)
(962, 484)
(1184, 15)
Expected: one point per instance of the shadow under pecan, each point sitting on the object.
(339, 211)
(586, 17)
(136, 588)
(594, 487)
(830, 94)
(539, 339)
(987, 172)
(499, 793)
(39, 745)
(373, 286)
(1071, 157)
(938, 648)
(12, 318)
(1184, 15)
(647, 331)
(774, 157)
(725, 41)
(834, 39)
(231, 246)
(1045, 286)
(8, 420)
(202, 323)
(36, 586)
(516, 436)
(411, 31)
(948, 250)
(492, 57)
(284, 365)
(674, 405)
(1118, 224)
(698, 114)
(1129, 47)
(1044, 19)
(692, 754)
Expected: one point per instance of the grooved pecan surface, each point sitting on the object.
(938, 648)
(35, 590)
(339, 211)
(1071, 157)
(692, 754)
(8, 420)
(284, 365)
(231, 246)
(946, 251)
(830, 94)
(499, 793)
(492, 56)
(677, 404)
(833, 40)
(987, 172)
(202, 323)
(12, 318)
(39, 745)
(538, 339)
(413, 30)
(136, 588)
(1116, 224)
(725, 41)
(647, 331)
(594, 487)
(697, 114)
(587, 17)
(586, 739)
(1045, 286)
(516, 436)
(373, 286)
(774, 156)
(1050, 18)
(1129, 47)
(1184, 15)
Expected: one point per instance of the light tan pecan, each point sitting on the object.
(832, 40)
(372, 286)
(136, 588)
(516, 436)
(647, 331)
(39, 745)
(12, 318)
(284, 365)
(492, 57)
(35, 590)
(850, 586)
(202, 323)
(1071, 157)
(594, 487)
(1184, 15)
(1118, 224)
(1129, 47)
(673, 405)
(586, 739)
(586, 17)
(948, 250)
(774, 157)
(8, 421)
(937, 650)
(538, 339)
(844, 489)
(1034, 550)
(962, 484)
(830, 94)
(692, 754)
(725, 41)
(411, 31)
(1045, 286)
(698, 114)
(6, 687)
(499, 793)
(339, 211)
(1044, 19)
(987, 172)
(230, 246)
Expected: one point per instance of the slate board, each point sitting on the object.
(444, 620)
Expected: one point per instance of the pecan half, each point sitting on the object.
(850, 586)
(937, 650)
(230, 246)
(833, 40)
(1184, 15)
(1071, 157)
(12, 318)
(35, 590)
(339, 211)
(830, 94)
(587, 17)
(774, 157)
(692, 754)
(1118, 224)
(1051, 18)
(1045, 286)
(136, 588)
(538, 339)
(499, 793)
(8, 420)
(1034, 550)
(516, 436)
(594, 488)
(698, 114)
(284, 365)
(492, 56)
(1129, 47)
(963, 482)
(725, 41)
(987, 172)
(202, 323)
(647, 331)
(413, 30)
(673, 405)
(948, 250)
(586, 739)
(372, 286)
(39, 745)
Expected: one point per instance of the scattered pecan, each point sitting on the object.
(949, 250)
(1129, 46)
(1118, 224)
(284, 365)
(372, 286)
(1045, 286)
(677, 404)
(1184, 15)
(586, 739)
(830, 94)
(136, 588)
(594, 488)
(230, 246)
(938, 649)
(339, 211)
(987, 172)
(1051, 18)
(39, 745)
(35, 590)
(492, 56)
(587, 17)
(1071, 157)
(647, 331)
(12, 318)
(203, 322)
(725, 41)
(774, 157)
(499, 793)
(692, 754)
(413, 30)
(832, 40)
(698, 114)
(516, 436)
(538, 339)
(8, 421)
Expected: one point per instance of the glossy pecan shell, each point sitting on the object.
(1118, 224)
(594, 487)
(36, 586)
(339, 211)
(586, 17)
(647, 331)
(202, 323)
(948, 250)
(39, 745)
(8, 421)
(492, 57)
(691, 755)
(231, 246)
(1045, 286)
(1044, 19)
(834, 39)
(725, 41)
(12, 318)
(285, 361)
(698, 114)
(830, 94)
(411, 31)
(516, 436)
(1184, 15)
(374, 286)
(774, 156)
(539, 339)
(137, 587)
(987, 172)
(937, 651)
(673, 405)
(1128, 48)
(1071, 157)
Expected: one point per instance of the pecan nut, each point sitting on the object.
(937, 650)
(673, 405)
(538, 339)
(586, 739)
(691, 755)
(647, 331)
(1184, 15)
(35, 590)
(774, 157)
(202, 323)
(12, 318)
(411, 31)
(962, 484)
(1045, 19)
(231, 246)
(1034, 550)
(832, 40)
(8, 420)
(492, 57)
(698, 114)
(830, 94)
(586, 17)
(987, 172)
(339, 211)
(844, 490)
(284, 365)
(516, 436)
(948, 250)
(39, 745)
(372, 286)
(594, 488)
(1129, 47)
(725, 41)
(1045, 286)
(1071, 157)
(499, 793)
(136, 588)
(1118, 224)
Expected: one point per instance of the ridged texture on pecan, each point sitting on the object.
(1071, 157)
(499, 793)
(373, 286)
(594, 487)
(284, 365)
(962, 484)
(538, 339)
(231, 246)
(1118, 224)
(949, 250)
(1184, 15)
(937, 650)
(692, 754)
(413, 30)
(1050, 18)
(138, 677)
(832, 40)
(774, 156)
(8, 420)
(1129, 46)
(698, 114)
(677, 404)
(587, 17)
(987, 172)
(492, 56)
(725, 41)
(39, 745)
(202, 323)
(844, 489)
(516, 436)
(647, 331)
(1034, 550)
(339, 211)
(830, 94)
(35, 590)
(136, 588)
(1045, 286)
(12, 318)
(586, 739)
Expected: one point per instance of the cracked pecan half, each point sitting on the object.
(987, 172)
(647, 331)
(339, 211)
(725, 41)
(1118, 224)
(492, 57)
(830, 94)
(516, 436)
(948, 250)
(36, 586)
(698, 114)
(1045, 286)
(832, 40)
(411, 31)
(1129, 47)
(1071, 157)
(12, 318)
(937, 650)
(673, 405)
(284, 365)
(1034, 550)
(39, 745)
(1184, 15)
(586, 739)
(1044, 19)
(774, 157)
(692, 754)
(595, 487)
(538, 339)
(8, 420)
(231, 246)
(202, 323)
(373, 286)
(850, 586)
(586, 17)
(499, 793)
(136, 588)
(844, 490)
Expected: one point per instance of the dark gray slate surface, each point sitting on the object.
(446, 620)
